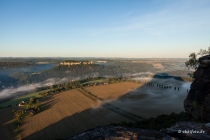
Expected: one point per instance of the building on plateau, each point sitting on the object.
(69, 63)
(101, 61)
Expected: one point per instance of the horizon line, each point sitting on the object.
(90, 57)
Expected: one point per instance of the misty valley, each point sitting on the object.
(104, 70)
(35, 73)
(119, 89)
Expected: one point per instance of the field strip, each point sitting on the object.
(110, 107)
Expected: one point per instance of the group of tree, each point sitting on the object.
(29, 108)
(193, 62)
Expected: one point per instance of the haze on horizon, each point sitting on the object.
(93, 28)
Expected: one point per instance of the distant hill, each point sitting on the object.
(14, 64)
(112, 68)
(75, 71)
(82, 71)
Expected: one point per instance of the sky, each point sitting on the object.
(104, 28)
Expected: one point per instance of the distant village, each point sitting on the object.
(69, 63)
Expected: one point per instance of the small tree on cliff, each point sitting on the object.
(193, 62)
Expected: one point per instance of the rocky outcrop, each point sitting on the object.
(189, 131)
(121, 133)
(197, 103)
(180, 131)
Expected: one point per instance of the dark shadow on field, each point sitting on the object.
(8, 130)
(7, 127)
(161, 94)
(48, 104)
(70, 126)
(147, 99)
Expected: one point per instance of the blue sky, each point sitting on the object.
(103, 28)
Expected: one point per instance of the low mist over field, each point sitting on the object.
(69, 66)
(19, 77)
(152, 100)
(12, 92)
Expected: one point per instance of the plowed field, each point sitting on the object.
(67, 114)
(113, 91)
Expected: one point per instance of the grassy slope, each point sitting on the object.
(18, 99)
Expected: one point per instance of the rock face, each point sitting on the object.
(189, 131)
(197, 103)
(121, 133)
(180, 131)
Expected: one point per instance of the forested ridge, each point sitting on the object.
(77, 71)
(14, 64)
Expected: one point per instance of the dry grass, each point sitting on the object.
(113, 91)
(70, 112)
(67, 114)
